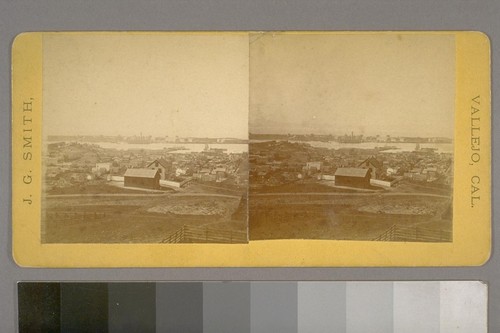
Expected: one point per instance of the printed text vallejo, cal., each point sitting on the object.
(475, 146)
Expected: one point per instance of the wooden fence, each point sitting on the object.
(190, 234)
(398, 233)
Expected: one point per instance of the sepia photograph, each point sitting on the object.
(351, 136)
(145, 138)
(251, 149)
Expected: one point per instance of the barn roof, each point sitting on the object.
(351, 172)
(141, 173)
(373, 161)
(163, 162)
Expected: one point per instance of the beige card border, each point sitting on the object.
(471, 225)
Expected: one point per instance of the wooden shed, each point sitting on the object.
(145, 178)
(353, 177)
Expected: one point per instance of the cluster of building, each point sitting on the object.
(76, 163)
(348, 138)
(269, 163)
(279, 162)
(141, 139)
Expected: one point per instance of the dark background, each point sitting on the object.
(64, 15)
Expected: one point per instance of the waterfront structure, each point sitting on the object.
(350, 138)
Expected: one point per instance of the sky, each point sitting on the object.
(385, 84)
(191, 84)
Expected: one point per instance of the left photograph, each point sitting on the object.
(145, 138)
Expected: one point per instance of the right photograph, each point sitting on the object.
(351, 136)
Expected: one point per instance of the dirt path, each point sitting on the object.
(62, 196)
